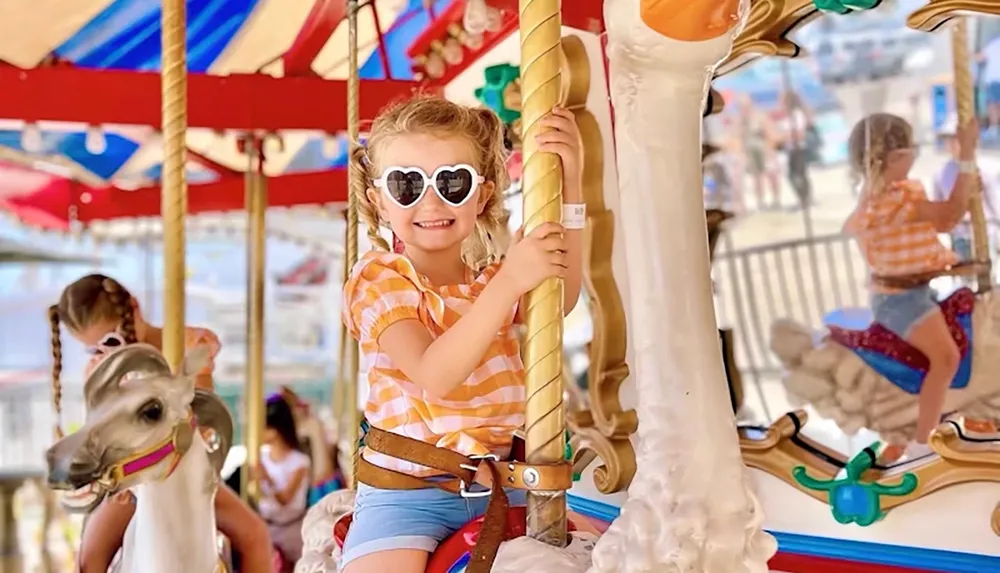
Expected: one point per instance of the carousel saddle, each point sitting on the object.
(896, 359)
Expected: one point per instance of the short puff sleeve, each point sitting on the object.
(382, 290)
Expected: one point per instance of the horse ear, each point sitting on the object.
(138, 358)
(196, 360)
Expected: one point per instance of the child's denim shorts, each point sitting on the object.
(386, 519)
(901, 311)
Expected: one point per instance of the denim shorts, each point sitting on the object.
(386, 519)
(962, 247)
(901, 311)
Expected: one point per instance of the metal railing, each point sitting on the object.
(801, 280)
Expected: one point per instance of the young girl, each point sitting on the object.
(284, 481)
(897, 229)
(435, 322)
(100, 313)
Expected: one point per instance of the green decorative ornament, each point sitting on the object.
(851, 499)
(845, 6)
(492, 95)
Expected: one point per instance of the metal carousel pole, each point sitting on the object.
(173, 206)
(256, 206)
(542, 308)
(351, 248)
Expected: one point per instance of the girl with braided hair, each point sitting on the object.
(101, 313)
(897, 228)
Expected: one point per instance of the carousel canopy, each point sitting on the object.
(80, 96)
(80, 99)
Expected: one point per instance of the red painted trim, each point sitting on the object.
(792, 563)
(383, 54)
(437, 29)
(238, 101)
(50, 205)
(320, 24)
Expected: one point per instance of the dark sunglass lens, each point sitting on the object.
(112, 343)
(406, 187)
(454, 184)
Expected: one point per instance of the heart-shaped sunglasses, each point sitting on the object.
(454, 184)
(108, 343)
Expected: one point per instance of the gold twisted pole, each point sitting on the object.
(965, 104)
(351, 249)
(255, 184)
(541, 59)
(173, 198)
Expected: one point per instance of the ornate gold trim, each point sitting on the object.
(937, 12)
(766, 31)
(603, 431)
(777, 453)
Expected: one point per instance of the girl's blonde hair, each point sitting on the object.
(872, 140)
(89, 300)
(435, 115)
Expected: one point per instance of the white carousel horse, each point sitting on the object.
(872, 378)
(142, 434)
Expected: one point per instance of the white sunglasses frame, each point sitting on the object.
(429, 181)
(102, 348)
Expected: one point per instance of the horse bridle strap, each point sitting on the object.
(512, 474)
(176, 444)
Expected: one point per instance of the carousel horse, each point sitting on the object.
(864, 376)
(151, 432)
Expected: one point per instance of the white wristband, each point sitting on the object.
(968, 167)
(574, 216)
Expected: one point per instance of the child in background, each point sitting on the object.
(897, 228)
(284, 481)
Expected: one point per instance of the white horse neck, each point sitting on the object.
(173, 528)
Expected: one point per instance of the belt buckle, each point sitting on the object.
(463, 487)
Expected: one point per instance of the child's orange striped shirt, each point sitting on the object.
(893, 242)
(479, 416)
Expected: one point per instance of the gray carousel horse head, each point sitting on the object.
(140, 420)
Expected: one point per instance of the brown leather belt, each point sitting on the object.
(920, 279)
(512, 474)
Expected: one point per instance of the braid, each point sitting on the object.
(121, 301)
(360, 167)
(56, 368)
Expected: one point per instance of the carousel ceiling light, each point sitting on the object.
(452, 51)
(435, 65)
(494, 20)
(31, 138)
(475, 18)
(473, 41)
(95, 142)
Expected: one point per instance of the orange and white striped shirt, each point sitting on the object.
(893, 242)
(479, 416)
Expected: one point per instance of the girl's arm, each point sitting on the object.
(440, 365)
(944, 215)
(245, 529)
(104, 533)
(205, 382)
(285, 496)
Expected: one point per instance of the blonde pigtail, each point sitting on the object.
(361, 178)
(56, 368)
